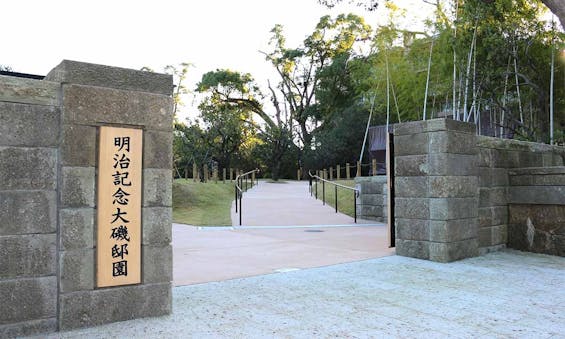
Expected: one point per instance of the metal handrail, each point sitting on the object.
(239, 189)
(355, 192)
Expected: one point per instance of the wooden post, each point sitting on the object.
(224, 175)
(331, 173)
(325, 174)
(253, 178)
(358, 169)
(215, 175)
(338, 172)
(194, 172)
(205, 173)
(231, 174)
(374, 166)
(298, 174)
(347, 171)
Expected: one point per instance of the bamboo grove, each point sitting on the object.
(499, 64)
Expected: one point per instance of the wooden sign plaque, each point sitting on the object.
(119, 207)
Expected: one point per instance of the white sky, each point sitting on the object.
(211, 34)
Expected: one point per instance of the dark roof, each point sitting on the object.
(22, 75)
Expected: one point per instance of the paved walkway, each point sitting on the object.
(278, 236)
(500, 295)
(204, 254)
(287, 203)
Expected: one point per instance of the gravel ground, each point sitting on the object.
(507, 294)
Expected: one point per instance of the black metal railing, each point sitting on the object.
(317, 179)
(242, 183)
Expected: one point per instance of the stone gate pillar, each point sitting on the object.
(436, 190)
(93, 96)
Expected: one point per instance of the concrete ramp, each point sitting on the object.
(288, 204)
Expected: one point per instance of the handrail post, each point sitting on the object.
(316, 188)
(324, 191)
(335, 199)
(355, 205)
(240, 208)
(235, 189)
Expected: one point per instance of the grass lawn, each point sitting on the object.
(345, 199)
(202, 204)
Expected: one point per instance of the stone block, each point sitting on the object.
(485, 237)
(452, 142)
(76, 228)
(28, 168)
(549, 180)
(90, 308)
(77, 270)
(499, 215)
(547, 218)
(412, 208)
(499, 177)
(27, 255)
(28, 299)
(157, 187)
(486, 156)
(411, 187)
(370, 211)
(75, 72)
(29, 91)
(543, 195)
(453, 230)
(453, 164)
(495, 196)
(28, 328)
(499, 234)
(413, 248)
(485, 217)
(371, 199)
(28, 125)
(453, 208)
(529, 159)
(485, 177)
(24, 212)
(157, 264)
(78, 147)
(370, 186)
(77, 187)
(158, 149)
(412, 229)
(434, 125)
(411, 165)
(157, 225)
(452, 251)
(413, 144)
(95, 105)
(453, 187)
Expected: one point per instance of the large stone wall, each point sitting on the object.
(453, 190)
(29, 139)
(48, 168)
(496, 158)
(536, 210)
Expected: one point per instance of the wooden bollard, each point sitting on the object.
(215, 175)
(231, 174)
(224, 175)
(194, 172)
(205, 173)
(325, 174)
(358, 169)
(347, 171)
(298, 174)
(253, 178)
(338, 172)
(374, 166)
(331, 173)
